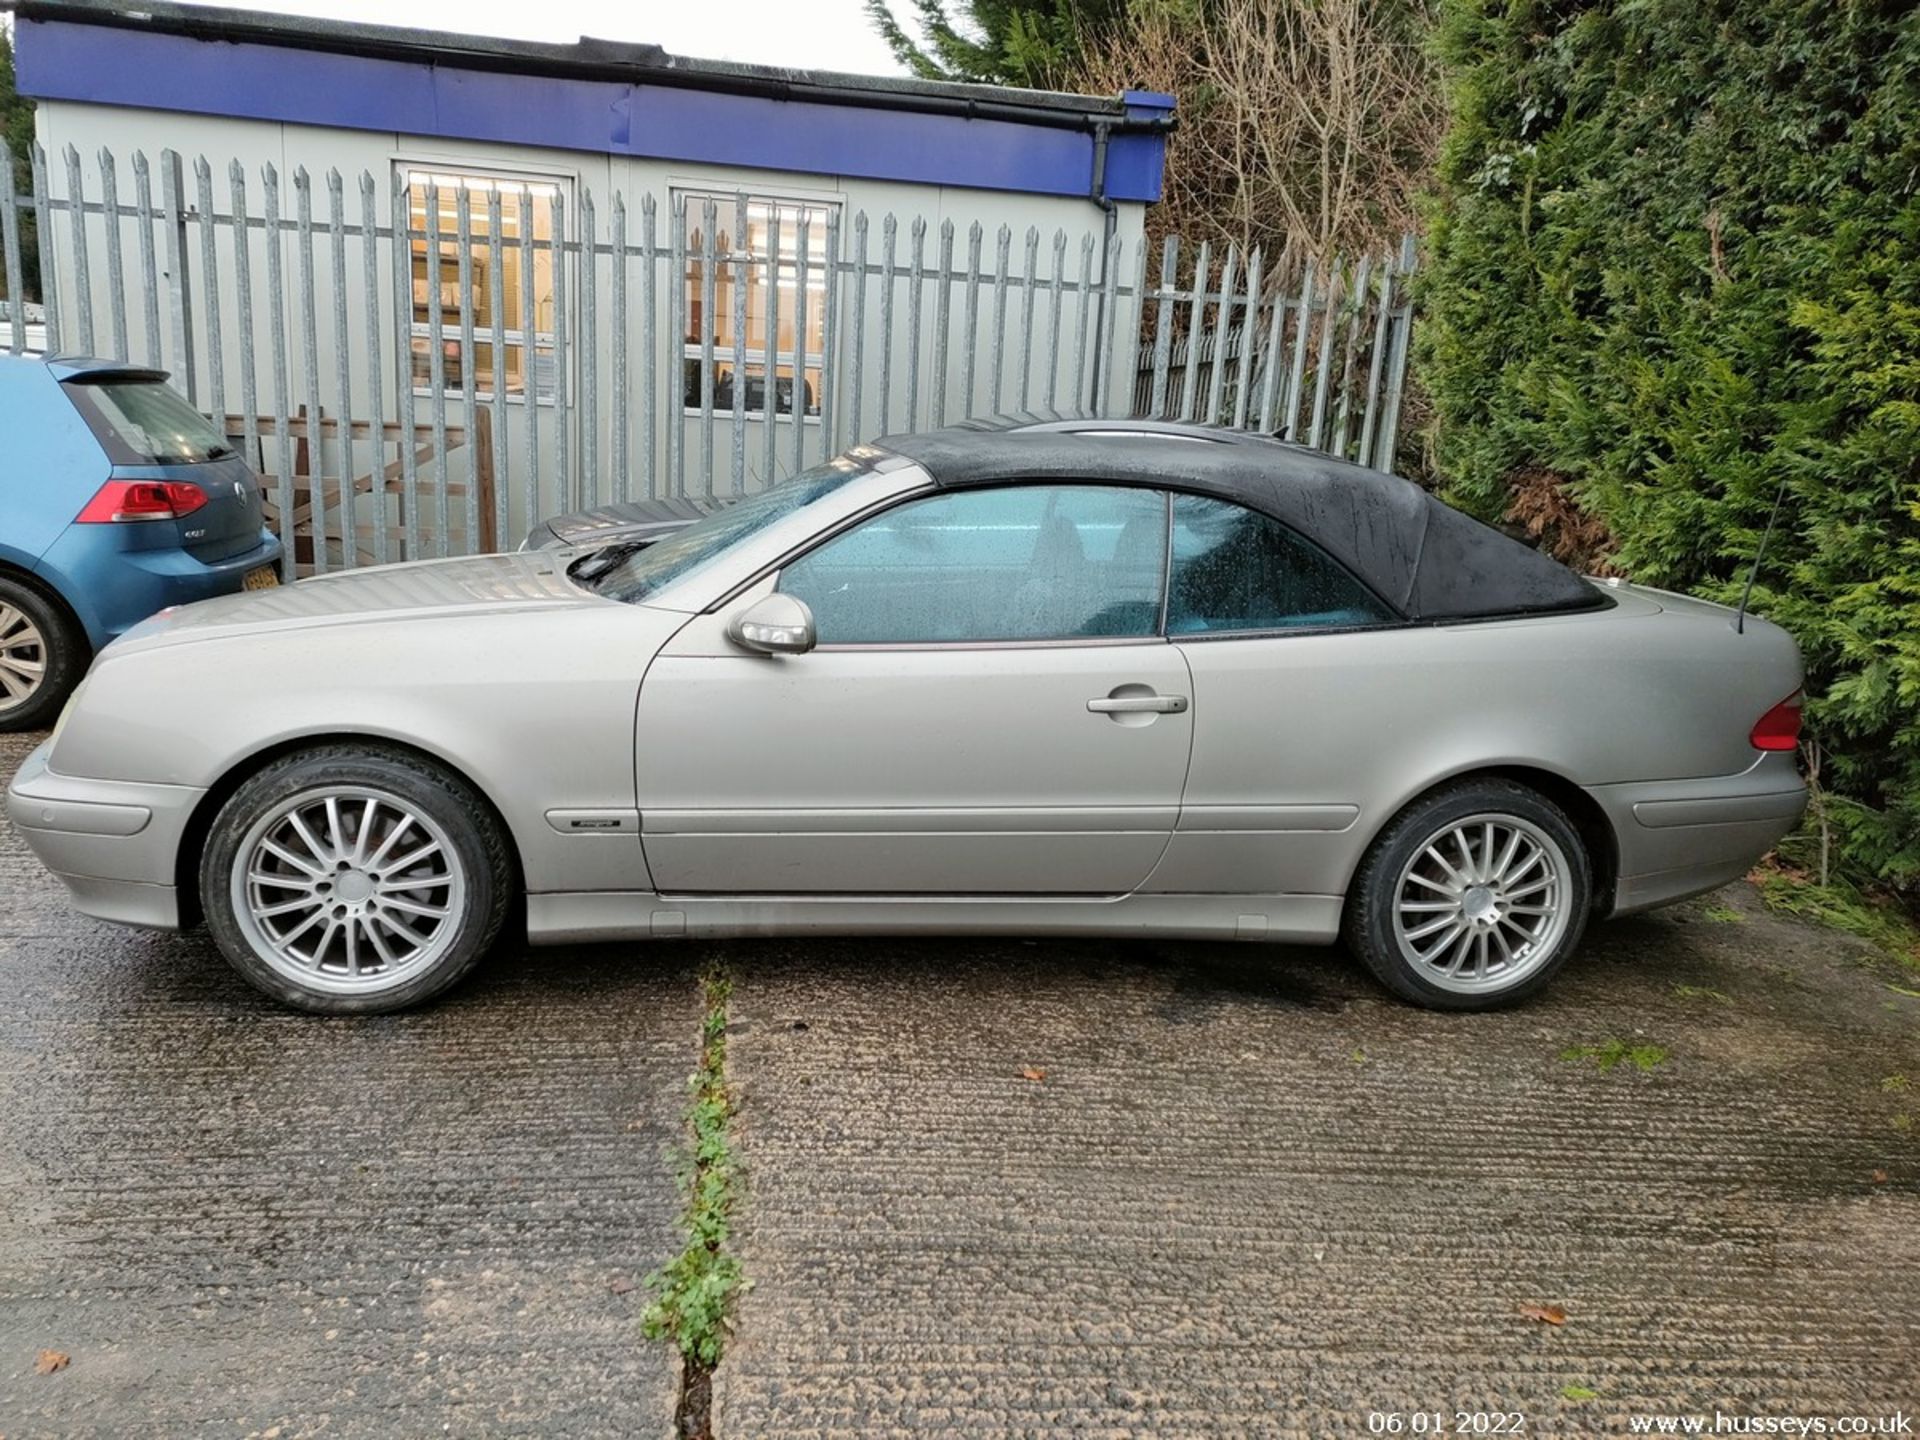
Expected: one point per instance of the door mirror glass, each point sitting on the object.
(774, 625)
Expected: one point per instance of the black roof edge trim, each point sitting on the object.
(598, 59)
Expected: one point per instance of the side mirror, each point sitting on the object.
(774, 625)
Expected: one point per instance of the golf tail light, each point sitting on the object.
(1779, 728)
(121, 500)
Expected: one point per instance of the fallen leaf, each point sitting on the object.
(1033, 1072)
(1546, 1314)
(48, 1361)
(620, 1285)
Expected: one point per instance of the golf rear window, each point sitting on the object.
(142, 422)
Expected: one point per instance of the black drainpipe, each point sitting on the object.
(1097, 192)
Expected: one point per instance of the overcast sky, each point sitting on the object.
(811, 34)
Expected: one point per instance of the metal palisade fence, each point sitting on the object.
(425, 363)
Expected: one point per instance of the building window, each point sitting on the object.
(769, 221)
(526, 210)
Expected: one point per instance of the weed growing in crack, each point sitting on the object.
(1702, 992)
(693, 1292)
(1615, 1052)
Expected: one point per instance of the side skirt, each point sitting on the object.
(555, 919)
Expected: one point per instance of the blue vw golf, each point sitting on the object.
(117, 499)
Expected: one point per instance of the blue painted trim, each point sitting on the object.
(56, 60)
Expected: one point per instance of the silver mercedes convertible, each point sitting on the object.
(1074, 678)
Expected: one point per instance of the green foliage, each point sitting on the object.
(1614, 1052)
(693, 1293)
(1673, 266)
(1841, 905)
(16, 128)
(1703, 992)
(996, 42)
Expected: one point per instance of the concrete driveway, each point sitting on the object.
(993, 1188)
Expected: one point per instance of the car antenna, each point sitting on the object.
(1746, 593)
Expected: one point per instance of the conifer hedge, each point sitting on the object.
(1674, 266)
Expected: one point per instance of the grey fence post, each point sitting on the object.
(562, 426)
(283, 433)
(342, 363)
(1029, 279)
(43, 232)
(376, 408)
(1249, 332)
(310, 367)
(737, 262)
(179, 286)
(942, 314)
(469, 385)
(620, 420)
(889, 237)
(149, 266)
(210, 284)
(116, 268)
(588, 364)
(243, 314)
(77, 228)
(1397, 363)
(10, 254)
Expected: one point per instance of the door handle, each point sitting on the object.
(1138, 704)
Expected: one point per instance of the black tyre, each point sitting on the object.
(1472, 898)
(43, 654)
(351, 879)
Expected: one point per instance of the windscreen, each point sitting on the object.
(640, 573)
(143, 422)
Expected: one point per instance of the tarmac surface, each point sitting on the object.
(993, 1188)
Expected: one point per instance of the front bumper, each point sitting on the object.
(1684, 837)
(114, 844)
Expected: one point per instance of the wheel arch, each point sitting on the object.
(1589, 820)
(193, 839)
(54, 594)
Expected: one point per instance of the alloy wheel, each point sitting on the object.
(1483, 903)
(348, 889)
(23, 658)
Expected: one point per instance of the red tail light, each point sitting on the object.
(142, 500)
(1779, 728)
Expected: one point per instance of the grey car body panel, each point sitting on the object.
(498, 667)
(915, 789)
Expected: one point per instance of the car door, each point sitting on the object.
(1288, 651)
(990, 710)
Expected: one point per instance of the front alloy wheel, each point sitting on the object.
(350, 879)
(348, 889)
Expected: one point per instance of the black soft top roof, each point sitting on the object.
(1428, 560)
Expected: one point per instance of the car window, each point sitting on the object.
(1236, 569)
(639, 573)
(1027, 562)
(143, 422)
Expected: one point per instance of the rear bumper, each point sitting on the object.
(113, 589)
(1683, 837)
(114, 844)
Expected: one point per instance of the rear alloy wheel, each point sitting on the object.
(349, 881)
(42, 657)
(1473, 898)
